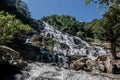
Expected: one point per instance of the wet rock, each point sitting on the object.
(116, 67)
(8, 55)
(47, 72)
(10, 63)
(79, 64)
(64, 46)
(66, 65)
(102, 67)
(108, 64)
(91, 65)
(28, 51)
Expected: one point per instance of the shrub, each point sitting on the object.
(11, 28)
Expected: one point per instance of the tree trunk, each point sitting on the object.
(113, 50)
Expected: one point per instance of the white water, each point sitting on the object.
(41, 71)
(46, 56)
(71, 45)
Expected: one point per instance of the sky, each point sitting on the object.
(75, 8)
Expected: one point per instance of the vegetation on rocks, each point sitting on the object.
(43, 42)
(11, 28)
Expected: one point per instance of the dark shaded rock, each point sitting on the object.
(10, 63)
(29, 51)
(8, 71)
(79, 64)
(8, 55)
(116, 67)
(64, 46)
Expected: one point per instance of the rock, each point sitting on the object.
(116, 67)
(101, 66)
(66, 65)
(46, 72)
(8, 55)
(91, 65)
(101, 58)
(108, 64)
(28, 51)
(10, 63)
(77, 65)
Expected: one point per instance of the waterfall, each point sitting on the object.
(71, 45)
(50, 57)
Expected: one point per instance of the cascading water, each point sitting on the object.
(71, 45)
(48, 57)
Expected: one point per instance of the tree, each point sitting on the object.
(111, 23)
(11, 28)
(18, 8)
(112, 28)
(101, 2)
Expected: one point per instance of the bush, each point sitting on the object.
(49, 44)
(11, 28)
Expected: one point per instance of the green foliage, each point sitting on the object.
(11, 28)
(101, 2)
(48, 43)
(93, 30)
(112, 27)
(112, 24)
(13, 7)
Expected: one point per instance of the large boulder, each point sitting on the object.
(116, 67)
(103, 64)
(10, 63)
(108, 64)
(8, 55)
(28, 51)
(79, 64)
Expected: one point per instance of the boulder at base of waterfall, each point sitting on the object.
(8, 55)
(102, 64)
(10, 62)
(116, 67)
(79, 64)
(108, 64)
(11, 57)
